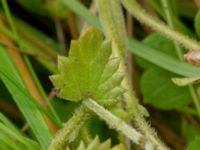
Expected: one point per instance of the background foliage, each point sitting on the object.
(34, 32)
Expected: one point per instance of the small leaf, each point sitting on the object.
(186, 81)
(89, 72)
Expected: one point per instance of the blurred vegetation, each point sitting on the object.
(34, 32)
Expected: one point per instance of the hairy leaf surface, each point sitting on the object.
(89, 71)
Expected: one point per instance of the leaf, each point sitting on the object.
(186, 81)
(194, 145)
(14, 83)
(89, 72)
(158, 90)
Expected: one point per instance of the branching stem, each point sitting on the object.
(109, 23)
(120, 125)
(168, 13)
(159, 26)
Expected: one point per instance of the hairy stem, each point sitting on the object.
(63, 135)
(109, 24)
(159, 26)
(114, 122)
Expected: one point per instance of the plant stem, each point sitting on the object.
(159, 26)
(108, 22)
(112, 21)
(116, 123)
(72, 126)
(168, 13)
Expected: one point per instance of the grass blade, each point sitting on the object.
(15, 140)
(163, 60)
(82, 11)
(8, 123)
(16, 87)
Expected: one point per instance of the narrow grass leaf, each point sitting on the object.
(8, 123)
(14, 83)
(82, 11)
(16, 140)
(163, 60)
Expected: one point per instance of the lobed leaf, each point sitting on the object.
(89, 71)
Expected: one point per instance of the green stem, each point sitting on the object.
(159, 26)
(112, 20)
(168, 13)
(72, 126)
(106, 12)
(118, 124)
